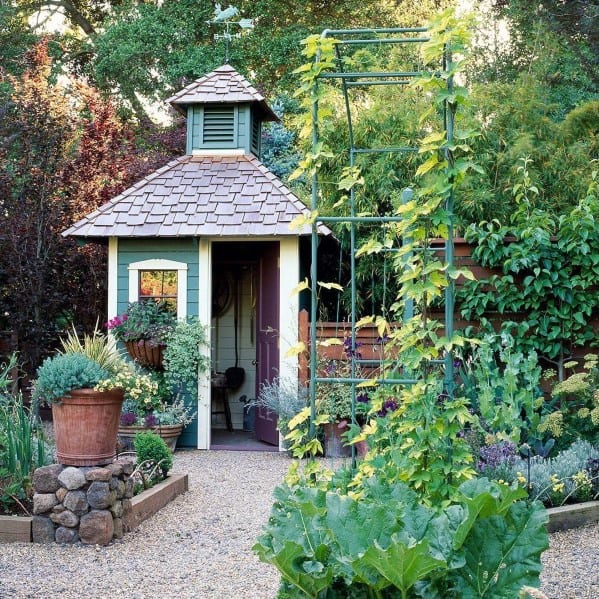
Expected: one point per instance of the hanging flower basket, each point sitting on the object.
(145, 354)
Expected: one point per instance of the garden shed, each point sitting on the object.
(209, 232)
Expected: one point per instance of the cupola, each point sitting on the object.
(224, 113)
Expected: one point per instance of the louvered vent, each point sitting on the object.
(219, 124)
(255, 134)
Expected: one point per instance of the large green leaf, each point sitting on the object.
(483, 498)
(503, 553)
(358, 525)
(298, 516)
(311, 576)
(403, 563)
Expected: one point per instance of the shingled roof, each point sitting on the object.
(223, 85)
(196, 196)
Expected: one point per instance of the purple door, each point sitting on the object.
(267, 346)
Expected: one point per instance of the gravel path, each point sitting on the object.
(199, 546)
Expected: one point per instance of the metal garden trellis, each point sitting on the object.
(352, 38)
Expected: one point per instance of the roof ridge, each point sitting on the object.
(225, 69)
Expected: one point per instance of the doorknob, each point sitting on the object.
(254, 362)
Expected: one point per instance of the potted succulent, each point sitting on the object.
(144, 329)
(85, 419)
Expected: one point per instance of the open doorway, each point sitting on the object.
(240, 271)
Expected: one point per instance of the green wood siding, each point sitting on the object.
(243, 124)
(184, 250)
(180, 250)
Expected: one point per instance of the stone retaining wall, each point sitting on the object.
(85, 504)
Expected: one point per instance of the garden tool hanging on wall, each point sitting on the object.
(235, 375)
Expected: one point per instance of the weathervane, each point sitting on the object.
(222, 17)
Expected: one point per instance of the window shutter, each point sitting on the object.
(219, 124)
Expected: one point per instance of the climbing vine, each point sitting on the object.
(547, 270)
(413, 428)
(363, 531)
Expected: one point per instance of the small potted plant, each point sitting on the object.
(334, 400)
(148, 406)
(144, 329)
(85, 419)
(166, 420)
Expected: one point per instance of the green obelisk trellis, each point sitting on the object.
(353, 38)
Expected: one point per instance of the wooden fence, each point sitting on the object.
(371, 346)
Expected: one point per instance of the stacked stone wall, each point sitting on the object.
(81, 504)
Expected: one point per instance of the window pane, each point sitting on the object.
(160, 285)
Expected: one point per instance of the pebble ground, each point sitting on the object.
(199, 546)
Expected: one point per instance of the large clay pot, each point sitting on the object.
(168, 432)
(85, 426)
(145, 354)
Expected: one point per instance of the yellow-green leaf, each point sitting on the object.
(364, 321)
(300, 287)
(299, 418)
(295, 350)
(330, 286)
(303, 220)
(368, 383)
(331, 341)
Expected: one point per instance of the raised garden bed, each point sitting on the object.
(572, 516)
(147, 503)
(17, 529)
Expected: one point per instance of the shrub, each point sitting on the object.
(185, 357)
(387, 544)
(503, 386)
(150, 448)
(577, 399)
(284, 396)
(95, 347)
(557, 480)
(59, 375)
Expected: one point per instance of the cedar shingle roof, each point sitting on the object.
(223, 85)
(200, 195)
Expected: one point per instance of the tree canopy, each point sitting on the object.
(66, 147)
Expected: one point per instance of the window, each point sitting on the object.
(159, 285)
(160, 279)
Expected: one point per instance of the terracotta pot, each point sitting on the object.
(361, 448)
(85, 426)
(145, 354)
(334, 444)
(169, 432)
